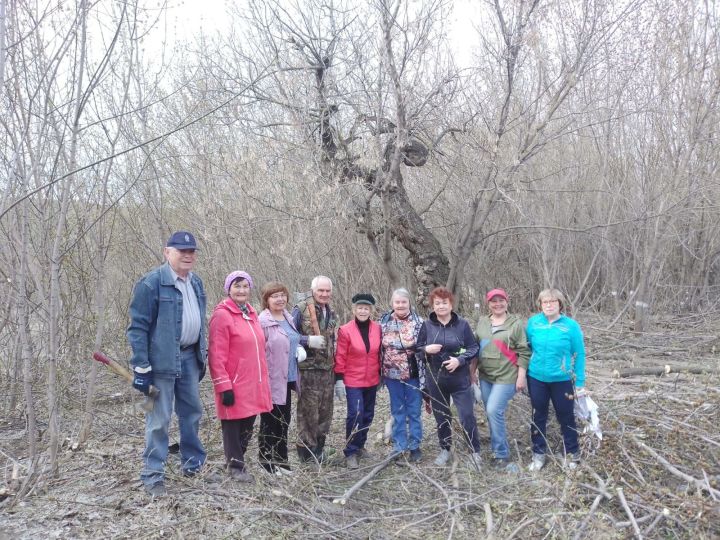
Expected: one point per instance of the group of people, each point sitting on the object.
(258, 360)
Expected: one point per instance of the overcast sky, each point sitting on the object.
(185, 19)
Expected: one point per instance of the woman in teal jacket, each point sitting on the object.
(557, 367)
(502, 370)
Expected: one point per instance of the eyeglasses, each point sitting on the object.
(278, 296)
(550, 302)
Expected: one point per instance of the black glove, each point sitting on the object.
(228, 398)
(203, 369)
(143, 381)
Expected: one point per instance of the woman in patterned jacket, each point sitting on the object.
(404, 376)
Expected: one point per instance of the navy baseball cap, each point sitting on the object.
(181, 240)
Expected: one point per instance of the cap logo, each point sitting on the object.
(187, 238)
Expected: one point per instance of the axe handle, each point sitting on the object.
(121, 370)
(114, 366)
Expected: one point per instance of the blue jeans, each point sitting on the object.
(496, 398)
(360, 413)
(184, 392)
(406, 410)
(441, 390)
(541, 394)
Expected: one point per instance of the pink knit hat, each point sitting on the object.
(237, 274)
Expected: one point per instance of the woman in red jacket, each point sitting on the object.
(236, 356)
(357, 368)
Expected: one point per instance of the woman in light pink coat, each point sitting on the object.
(283, 352)
(236, 357)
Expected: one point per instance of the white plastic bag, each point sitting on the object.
(587, 410)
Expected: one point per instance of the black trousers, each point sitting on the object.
(457, 386)
(273, 436)
(236, 438)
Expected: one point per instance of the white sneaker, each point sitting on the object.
(476, 460)
(443, 458)
(572, 461)
(538, 462)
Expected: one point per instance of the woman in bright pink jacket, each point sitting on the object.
(357, 369)
(236, 356)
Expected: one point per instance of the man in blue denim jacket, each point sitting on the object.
(169, 351)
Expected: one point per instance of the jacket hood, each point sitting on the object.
(267, 320)
(511, 318)
(453, 319)
(232, 307)
(413, 316)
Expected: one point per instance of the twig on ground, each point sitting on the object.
(488, 520)
(520, 527)
(364, 480)
(629, 513)
(664, 370)
(703, 486)
(638, 473)
(593, 507)
(624, 524)
(655, 521)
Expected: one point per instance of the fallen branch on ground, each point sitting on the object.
(364, 480)
(662, 370)
(629, 513)
(701, 485)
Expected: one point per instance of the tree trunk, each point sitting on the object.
(3, 54)
(24, 336)
(57, 251)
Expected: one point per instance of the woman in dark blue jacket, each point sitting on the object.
(448, 344)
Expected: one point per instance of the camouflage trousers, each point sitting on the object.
(315, 407)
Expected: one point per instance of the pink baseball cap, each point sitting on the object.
(496, 292)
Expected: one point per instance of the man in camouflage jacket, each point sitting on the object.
(316, 322)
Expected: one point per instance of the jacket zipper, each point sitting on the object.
(257, 350)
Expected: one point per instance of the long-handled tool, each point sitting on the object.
(118, 369)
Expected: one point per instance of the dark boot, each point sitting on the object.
(319, 450)
(305, 455)
(321, 454)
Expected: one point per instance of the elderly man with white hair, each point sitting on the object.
(316, 322)
(169, 346)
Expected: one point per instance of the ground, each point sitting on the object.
(656, 471)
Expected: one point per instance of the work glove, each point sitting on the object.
(340, 390)
(477, 394)
(300, 354)
(228, 398)
(316, 342)
(142, 381)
